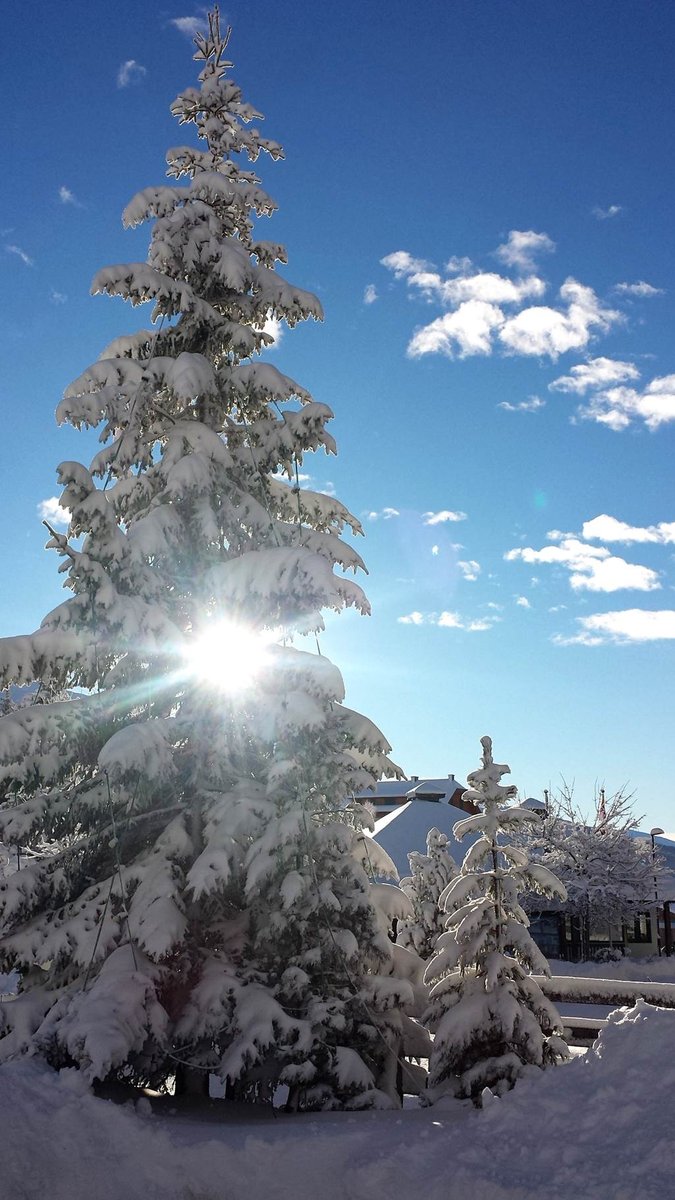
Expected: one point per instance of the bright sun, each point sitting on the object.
(229, 655)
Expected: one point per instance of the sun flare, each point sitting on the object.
(229, 655)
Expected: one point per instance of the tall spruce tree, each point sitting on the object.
(490, 1017)
(203, 899)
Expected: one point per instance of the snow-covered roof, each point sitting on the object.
(395, 789)
(406, 829)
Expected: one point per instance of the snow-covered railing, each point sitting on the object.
(579, 1031)
(576, 990)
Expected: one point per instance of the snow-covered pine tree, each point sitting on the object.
(490, 1017)
(204, 901)
(430, 874)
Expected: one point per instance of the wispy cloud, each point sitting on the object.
(449, 620)
(522, 246)
(441, 517)
(625, 626)
(610, 401)
(66, 196)
(129, 73)
(458, 265)
(384, 514)
(370, 294)
(592, 568)
(596, 373)
(619, 407)
(470, 569)
(523, 602)
(532, 404)
(191, 26)
(57, 297)
(608, 529)
(25, 258)
(50, 510)
(641, 288)
(605, 214)
(402, 263)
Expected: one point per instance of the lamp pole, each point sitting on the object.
(654, 833)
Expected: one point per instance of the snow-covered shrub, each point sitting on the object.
(490, 1017)
(429, 875)
(205, 901)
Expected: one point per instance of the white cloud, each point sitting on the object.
(385, 514)
(487, 286)
(604, 214)
(628, 625)
(457, 265)
(638, 289)
(129, 73)
(190, 26)
(370, 294)
(68, 197)
(523, 602)
(413, 618)
(532, 404)
(445, 514)
(541, 330)
(470, 569)
(435, 550)
(57, 297)
(25, 258)
(596, 373)
(468, 331)
(592, 568)
(608, 529)
(50, 510)
(521, 247)
(618, 407)
(449, 620)
(402, 263)
(284, 477)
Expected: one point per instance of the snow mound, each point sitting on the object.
(594, 1128)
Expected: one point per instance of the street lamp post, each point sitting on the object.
(654, 833)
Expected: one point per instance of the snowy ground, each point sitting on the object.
(597, 1128)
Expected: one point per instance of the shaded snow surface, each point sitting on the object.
(597, 1128)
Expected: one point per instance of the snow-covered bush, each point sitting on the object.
(205, 901)
(490, 1017)
(429, 875)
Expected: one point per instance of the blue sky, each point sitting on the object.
(481, 194)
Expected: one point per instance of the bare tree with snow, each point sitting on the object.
(490, 1017)
(608, 873)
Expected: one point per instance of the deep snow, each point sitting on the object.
(597, 1127)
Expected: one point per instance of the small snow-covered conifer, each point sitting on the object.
(430, 875)
(490, 1017)
(204, 899)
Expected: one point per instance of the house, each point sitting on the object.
(390, 794)
(406, 810)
